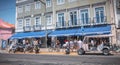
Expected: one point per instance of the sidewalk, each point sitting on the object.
(3, 51)
(44, 51)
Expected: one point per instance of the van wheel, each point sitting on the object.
(81, 52)
(105, 51)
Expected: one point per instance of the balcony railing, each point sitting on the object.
(85, 21)
(27, 28)
(72, 23)
(61, 24)
(79, 22)
(100, 20)
(37, 27)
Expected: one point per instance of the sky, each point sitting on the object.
(7, 10)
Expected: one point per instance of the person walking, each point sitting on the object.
(36, 46)
(57, 45)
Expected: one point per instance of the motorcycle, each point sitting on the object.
(28, 48)
(13, 48)
(36, 48)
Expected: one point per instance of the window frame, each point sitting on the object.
(36, 20)
(103, 12)
(29, 21)
(37, 5)
(81, 17)
(27, 7)
(20, 26)
(60, 2)
(58, 19)
(72, 0)
(20, 9)
(50, 3)
(49, 20)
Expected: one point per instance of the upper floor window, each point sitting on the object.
(49, 19)
(73, 18)
(38, 20)
(27, 22)
(37, 5)
(48, 3)
(84, 16)
(20, 9)
(72, 0)
(20, 24)
(60, 20)
(99, 15)
(60, 2)
(27, 7)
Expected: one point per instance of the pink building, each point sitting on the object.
(6, 30)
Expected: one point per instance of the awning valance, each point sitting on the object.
(29, 34)
(94, 30)
(64, 32)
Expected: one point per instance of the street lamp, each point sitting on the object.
(82, 29)
(45, 22)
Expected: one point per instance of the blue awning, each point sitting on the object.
(106, 29)
(93, 30)
(64, 32)
(29, 34)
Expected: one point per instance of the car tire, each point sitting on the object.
(105, 51)
(81, 52)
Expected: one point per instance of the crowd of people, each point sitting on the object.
(74, 44)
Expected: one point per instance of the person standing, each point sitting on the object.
(40, 43)
(71, 45)
(57, 45)
(80, 44)
(36, 47)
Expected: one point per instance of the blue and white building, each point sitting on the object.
(63, 18)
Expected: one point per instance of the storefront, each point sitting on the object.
(64, 34)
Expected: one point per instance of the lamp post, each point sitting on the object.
(82, 29)
(45, 21)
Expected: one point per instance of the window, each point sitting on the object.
(20, 9)
(60, 2)
(72, 0)
(27, 22)
(27, 7)
(37, 5)
(73, 18)
(60, 21)
(49, 20)
(100, 16)
(37, 21)
(48, 3)
(84, 16)
(20, 24)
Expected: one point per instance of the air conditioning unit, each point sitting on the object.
(118, 4)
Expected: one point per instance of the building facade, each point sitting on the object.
(91, 17)
(6, 31)
(116, 4)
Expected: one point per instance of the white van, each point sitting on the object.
(91, 45)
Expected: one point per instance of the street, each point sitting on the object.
(39, 59)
